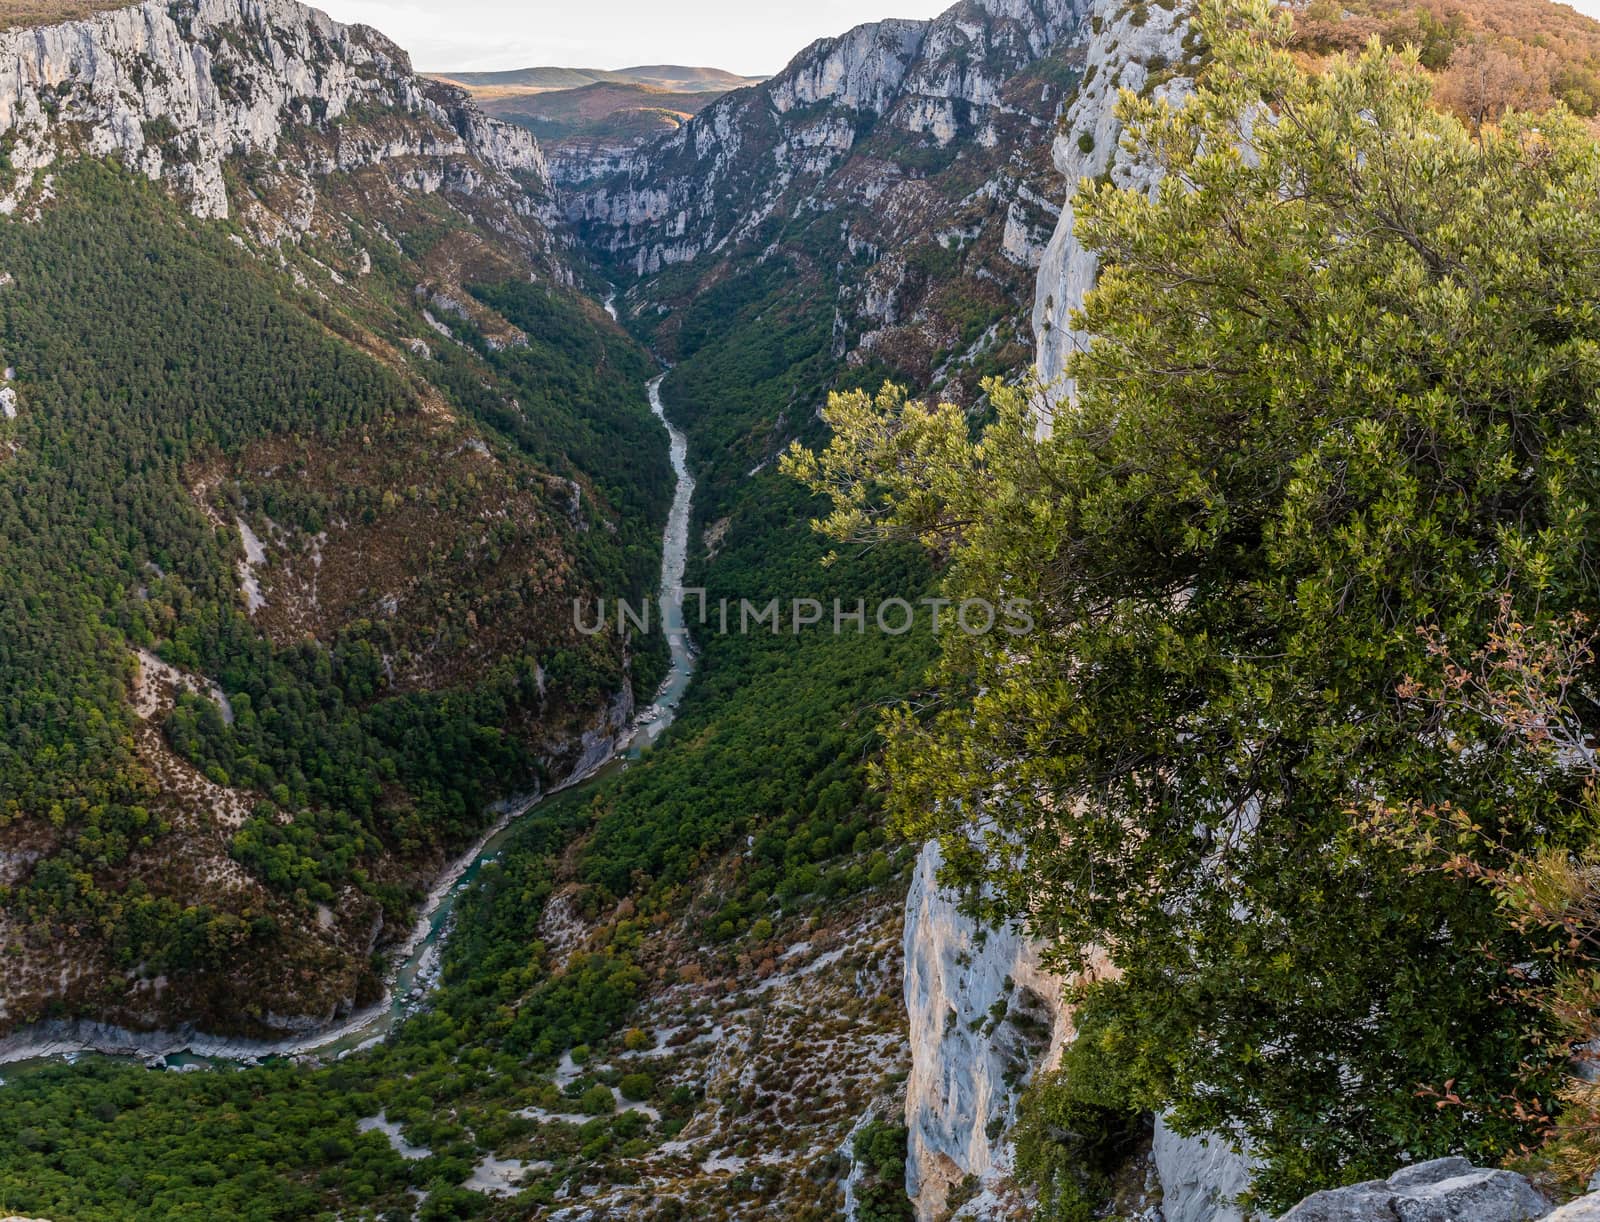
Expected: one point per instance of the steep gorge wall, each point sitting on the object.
(968, 1068)
(715, 180)
(984, 1016)
(176, 89)
(1143, 50)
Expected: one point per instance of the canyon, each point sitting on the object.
(894, 205)
(906, 141)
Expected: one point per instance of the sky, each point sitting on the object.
(743, 36)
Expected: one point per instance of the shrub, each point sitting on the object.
(636, 1040)
(637, 1087)
(597, 1101)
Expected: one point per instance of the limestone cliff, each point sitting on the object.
(725, 172)
(1138, 48)
(984, 1015)
(963, 982)
(177, 90)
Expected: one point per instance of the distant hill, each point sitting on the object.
(581, 113)
(674, 78)
(600, 111)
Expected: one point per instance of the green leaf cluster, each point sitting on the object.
(1343, 388)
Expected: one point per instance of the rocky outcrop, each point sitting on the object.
(177, 89)
(984, 1017)
(715, 180)
(862, 70)
(1584, 1209)
(1201, 1178)
(1444, 1190)
(1138, 48)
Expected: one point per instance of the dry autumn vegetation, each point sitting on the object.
(18, 14)
(1486, 56)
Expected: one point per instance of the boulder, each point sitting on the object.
(1584, 1209)
(1444, 1190)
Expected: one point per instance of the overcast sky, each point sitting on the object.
(744, 36)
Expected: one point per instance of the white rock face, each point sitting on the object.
(1120, 56)
(720, 175)
(175, 89)
(957, 1095)
(965, 988)
(1020, 244)
(1201, 1177)
(862, 70)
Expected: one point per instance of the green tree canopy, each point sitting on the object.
(1343, 389)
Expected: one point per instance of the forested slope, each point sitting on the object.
(646, 927)
(290, 557)
(680, 994)
(397, 653)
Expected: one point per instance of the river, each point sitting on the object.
(415, 970)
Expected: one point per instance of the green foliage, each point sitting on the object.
(770, 741)
(146, 343)
(880, 1153)
(111, 416)
(637, 1087)
(1343, 391)
(107, 1143)
(636, 1039)
(1078, 1125)
(598, 1101)
(748, 348)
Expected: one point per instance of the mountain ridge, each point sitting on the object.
(672, 77)
(127, 79)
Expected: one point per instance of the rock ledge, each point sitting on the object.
(1444, 1190)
